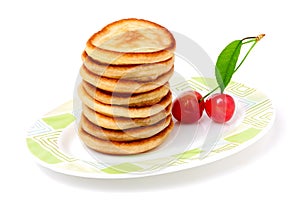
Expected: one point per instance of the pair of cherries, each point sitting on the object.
(189, 107)
(220, 107)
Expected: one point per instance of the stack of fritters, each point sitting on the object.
(126, 100)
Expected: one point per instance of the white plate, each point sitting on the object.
(53, 140)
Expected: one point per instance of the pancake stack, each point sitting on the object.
(125, 94)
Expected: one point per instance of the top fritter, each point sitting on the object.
(131, 41)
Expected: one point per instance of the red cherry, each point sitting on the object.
(187, 107)
(220, 107)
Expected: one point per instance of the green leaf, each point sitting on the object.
(226, 63)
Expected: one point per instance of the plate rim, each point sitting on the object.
(166, 170)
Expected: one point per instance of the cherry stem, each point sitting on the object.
(257, 38)
(250, 39)
(253, 39)
(208, 94)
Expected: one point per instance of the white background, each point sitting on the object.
(40, 47)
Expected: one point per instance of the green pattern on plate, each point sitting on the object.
(38, 150)
(122, 168)
(59, 121)
(243, 136)
(225, 148)
(189, 154)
